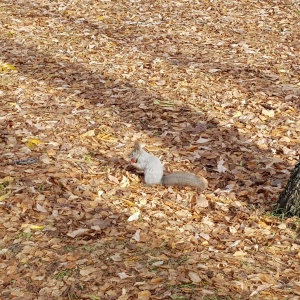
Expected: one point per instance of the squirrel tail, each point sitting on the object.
(185, 179)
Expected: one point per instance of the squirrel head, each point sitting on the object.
(136, 152)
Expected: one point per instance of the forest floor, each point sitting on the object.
(211, 87)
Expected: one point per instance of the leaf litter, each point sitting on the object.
(211, 87)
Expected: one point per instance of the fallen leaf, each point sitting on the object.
(158, 263)
(213, 70)
(268, 112)
(204, 236)
(202, 201)
(144, 295)
(123, 275)
(194, 277)
(33, 227)
(202, 141)
(163, 103)
(113, 179)
(32, 143)
(239, 254)
(260, 288)
(77, 232)
(41, 208)
(136, 235)
(129, 203)
(87, 271)
(282, 226)
(220, 166)
(88, 133)
(116, 257)
(2, 197)
(134, 216)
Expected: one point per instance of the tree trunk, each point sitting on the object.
(289, 199)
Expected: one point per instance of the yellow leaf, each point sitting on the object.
(7, 67)
(33, 227)
(25, 259)
(263, 224)
(100, 18)
(37, 227)
(32, 143)
(237, 114)
(183, 83)
(129, 203)
(4, 196)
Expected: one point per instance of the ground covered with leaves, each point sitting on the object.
(211, 87)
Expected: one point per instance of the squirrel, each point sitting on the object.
(153, 171)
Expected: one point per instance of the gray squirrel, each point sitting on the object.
(153, 171)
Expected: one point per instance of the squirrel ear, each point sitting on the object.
(138, 146)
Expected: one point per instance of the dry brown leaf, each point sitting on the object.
(202, 201)
(41, 208)
(194, 277)
(240, 254)
(87, 271)
(144, 295)
(113, 179)
(77, 232)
